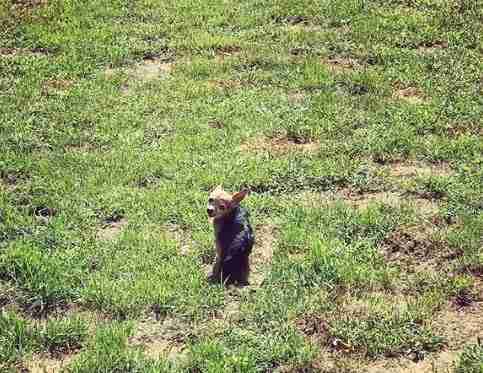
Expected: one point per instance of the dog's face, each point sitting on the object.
(221, 202)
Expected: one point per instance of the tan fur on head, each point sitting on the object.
(220, 202)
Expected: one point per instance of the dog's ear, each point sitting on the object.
(238, 197)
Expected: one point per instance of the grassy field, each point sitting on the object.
(357, 126)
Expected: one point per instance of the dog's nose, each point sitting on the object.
(210, 210)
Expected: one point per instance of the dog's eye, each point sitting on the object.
(222, 207)
(211, 200)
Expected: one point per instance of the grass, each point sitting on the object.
(357, 126)
(471, 359)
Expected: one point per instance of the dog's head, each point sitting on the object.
(221, 203)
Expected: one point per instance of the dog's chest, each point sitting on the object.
(217, 229)
(225, 233)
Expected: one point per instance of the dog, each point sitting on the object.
(234, 237)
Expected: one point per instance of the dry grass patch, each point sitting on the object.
(341, 64)
(165, 338)
(12, 52)
(81, 148)
(54, 86)
(434, 363)
(292, 20)
(226, 84)
(150, 69)
(362, 201)
(456, 130)
(432, 47)
(413, 169)
(279, 145)
(411, 95)
(460, 326)
(226, 51)
(22, 4)
(46, 364)
(265, 238)
(112, 229)
(296, 97)
(413, 246)
(180, 236)
(10, 180)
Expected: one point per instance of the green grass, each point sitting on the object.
(20, 337)
(471, 359)
(315, 105)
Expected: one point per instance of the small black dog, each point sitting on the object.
(233, 236)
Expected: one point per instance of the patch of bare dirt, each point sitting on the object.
(10, 179)
(226, 84)
(412, 169)
(165, 338)
(292, 20)
(28, 3)
(429, 48)
(80, 147)
(341, 64)
(261, 258)
(112, 227)
(313, 326)
(279, 145)
(299, 51)
(296, 97)
(226, 51)
(12, 52)
(364, 200)
(217, 124)
(458, 129)
(442, 362)
(413, 245)
(460, 326)
(151, 69)
(411, 95)
(47, 364)
(54, 86)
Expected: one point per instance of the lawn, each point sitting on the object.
(357, 126)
